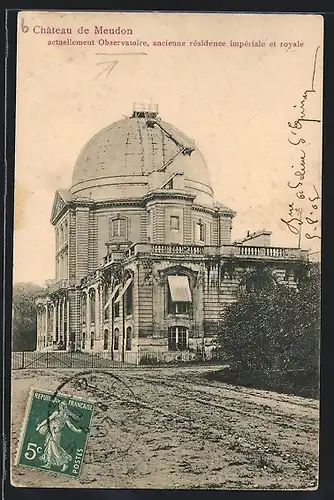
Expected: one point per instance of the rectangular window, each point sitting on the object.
(172, 338)
(122, 228)
(182, 338)
(175, 223)
(178, 295)
(177, 338)
(178, 307)
(200, 232)
(118, 228)
(114, 228)
(182, 307)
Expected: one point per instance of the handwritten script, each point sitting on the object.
(304, 208)
(110, 64)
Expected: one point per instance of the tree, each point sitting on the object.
(24, 316)
(272, 327)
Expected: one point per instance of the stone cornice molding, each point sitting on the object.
(168, 193)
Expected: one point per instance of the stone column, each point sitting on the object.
(63, 318)
(60, 266)
(38, 328)
(46, 310)
(66, 264)
(88, 319)
(43, 326)
(67, 323)
(97, 312)
(54, 322)
(102, 304)
(58, 319)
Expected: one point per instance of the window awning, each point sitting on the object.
(113, 293)
(179, 288)
(124, 289)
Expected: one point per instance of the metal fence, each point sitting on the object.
(64, 359)
(102, 359)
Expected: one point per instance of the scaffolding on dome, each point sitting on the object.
(142, 110)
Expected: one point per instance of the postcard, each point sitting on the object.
(167, 250)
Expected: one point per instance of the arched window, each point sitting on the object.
(116, 339)
(116, 305)
(118, 228)
(83, 340)
(51, 312)
(83, 308)
(105, 339)
(128, 344)
(92, 340)
(105, 301)
(92, 306)
(129, 299)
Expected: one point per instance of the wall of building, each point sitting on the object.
(135, 225)
(154, 319)
(80, 225)
(62, 229)
(225, 228)
(208, 221)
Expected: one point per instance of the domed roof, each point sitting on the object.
(137, 146)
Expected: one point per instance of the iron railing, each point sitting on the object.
(105, 359)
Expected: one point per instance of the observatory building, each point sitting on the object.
(144, 261)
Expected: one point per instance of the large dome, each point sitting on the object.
(126, 152)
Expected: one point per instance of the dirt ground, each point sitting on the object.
(172, 428)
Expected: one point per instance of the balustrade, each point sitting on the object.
(238, 251)
(177, 249)
(244, 250)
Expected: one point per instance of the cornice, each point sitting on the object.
(168, 193)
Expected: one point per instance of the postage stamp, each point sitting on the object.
(55, 433)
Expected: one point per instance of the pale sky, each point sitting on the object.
(235, 102)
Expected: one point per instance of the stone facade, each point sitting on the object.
(143, 253)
